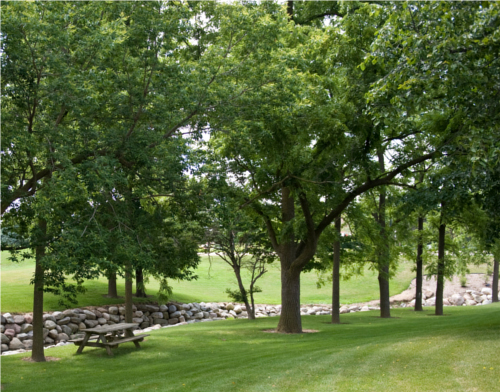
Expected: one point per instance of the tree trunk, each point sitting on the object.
(37, 353)
(112, 292)
(289, 9)
(336, 275)
(243, 292)
(383, 258)
(128, 294)
(419, 280)
(140, 290)
(494, 285)
(440, 267)
(290, 321)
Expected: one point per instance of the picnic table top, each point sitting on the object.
(110, 328)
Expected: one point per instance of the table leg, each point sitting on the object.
(84, 342)
(130, 334)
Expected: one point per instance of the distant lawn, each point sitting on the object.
(413, 352)
(214, 278)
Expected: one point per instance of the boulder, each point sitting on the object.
(53, 334)
(63, 337)
(121, 310)
(206, 315)
(470, 302)
(160, 321)
(237, 309)
(159, 315)
(64, 321)
(90, 315)
(74, 328)
(114, 318)
(229, 307)
(4, 320)
(163, 308)
(25, 328)
(138, 313)
(19, 319)
(173, 321)
(364, 309)
(49, 340)
(67, 330)
(75, 320)
(431, 301)
(486, 302)
(172, 308)
(103, 321)
(82, 316)
(198, 316)
(16, 344)
(113, 310)
(49, 324)
(58, 315)
(106, 316)
(427, 294)
(182, 319)
(144, 324)
(5, 347)
(152, 308)
(5, 339)
(137, 320)
(48, 316)
(2, 328)
(446, 302)
(91, 323)
(484, 291)
(69, 313)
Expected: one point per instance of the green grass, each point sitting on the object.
(214, 278)
(413, 352)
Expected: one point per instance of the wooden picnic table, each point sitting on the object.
(109, 336)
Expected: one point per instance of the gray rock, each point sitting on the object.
(182, 319)
(58, 329)
(198, 316)
(470, 302)
(49, 324)
(206, 315)
(166, 315)
(16, 344)
(175, 314)
(58, 315)
(113, 310)
(121, 310)
(163, 308)
(69, 313)
(145, 324)
(102, 321)
(172, 309)
(114, 318)
(64, 321)
(75, 320)
(189, 314)
(19, 319)
(137, 320)
(23, 336)
(484, 291)
(28, 318)
(91, 323)
(15, 327)
(5, 339)
(4, 320)
(53, 334)
(238, 309)
(105, 316)
(28, 344)
(2, 328)
(45, 333)
(457, 299)
(5, 347)
(138, 313)
(77, 336)
(90, 315)
(74, 328)
(158, 315)
(49, 340)
(160, 321)
(486, 302)
(48, 316)
(82, 326)
(152, 308)
(63, 337)
(173, 321)
(68, 330)
(97, 313)
(229, 307)
(82, 316)
(213, 315)
(25, 328)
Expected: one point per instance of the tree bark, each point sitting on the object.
(128, 293)
(289, 9)
(336, 275)
(37, 353)
(440, 267)
(112, 292)
(290, 321)
(237, 272)
(140, 290)
(494, 285)
(383, 257)
(419, 280)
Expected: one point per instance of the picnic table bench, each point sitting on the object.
(108, 336)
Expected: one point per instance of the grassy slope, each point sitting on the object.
(414, 352)
(213, 279)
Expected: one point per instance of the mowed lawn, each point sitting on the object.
(214, 276)
(411, 352)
